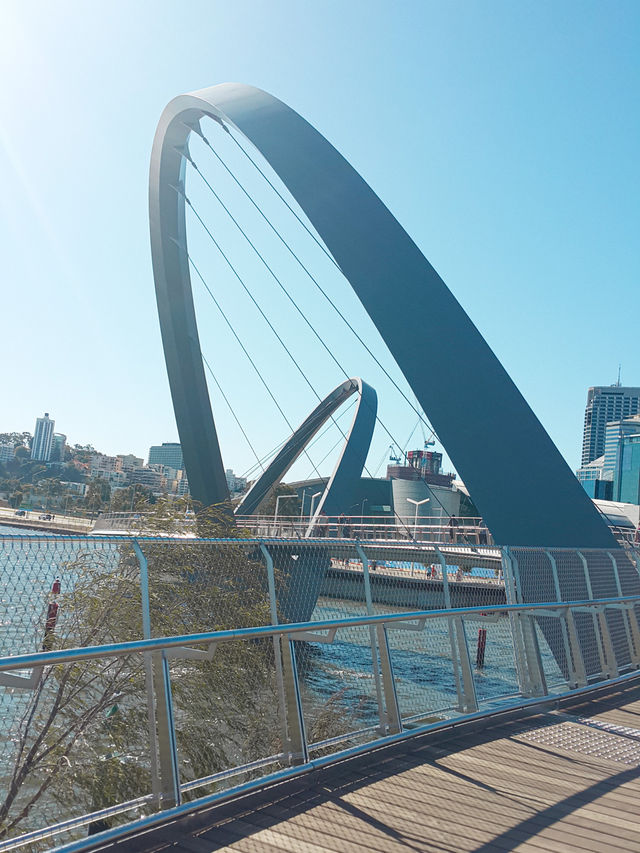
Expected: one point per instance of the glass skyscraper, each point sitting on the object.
(168, 453)
(605, 403)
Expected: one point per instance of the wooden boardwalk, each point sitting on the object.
(564, 780)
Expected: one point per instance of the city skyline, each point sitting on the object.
(606, 393)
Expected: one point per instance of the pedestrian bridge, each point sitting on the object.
(154, 694)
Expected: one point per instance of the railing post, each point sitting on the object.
(273, 606)
(629, 619)
(382, 710)
(470, 701)
(394, 721)
(573, 652)
(608, 663)
(296, 735)
(169, 772)
(156, 785)
(453, 638)
(531, 678)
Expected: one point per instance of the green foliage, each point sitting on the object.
(82, 742)
(22, 453)
(98, 494)
(136, 498)
(288, 507)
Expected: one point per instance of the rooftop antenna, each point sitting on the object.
(619, 370)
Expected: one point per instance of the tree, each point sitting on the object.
(93, 713)
(98, 493)
(137, 497)
(16, 499)
(289, 507)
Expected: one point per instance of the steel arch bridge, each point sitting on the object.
(475, 407)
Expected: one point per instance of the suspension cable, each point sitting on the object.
(254, 300)
(281, 444)
(420, 414)
(244, 349)
(417, 411)
(282, 287)
(231, 409)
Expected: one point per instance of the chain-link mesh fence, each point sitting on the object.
(232, 702)
(61, 723)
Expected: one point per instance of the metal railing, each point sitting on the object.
(138, 728)
(464, 530)
(170, 791)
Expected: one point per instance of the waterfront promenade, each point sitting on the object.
(563, 779)
(34, 520)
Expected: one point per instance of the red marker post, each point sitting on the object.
(482, 642)
(52, 617)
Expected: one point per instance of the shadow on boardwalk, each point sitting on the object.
(562, 780)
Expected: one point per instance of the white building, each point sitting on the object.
(236, 485)
(42, 438)
(6, 452)
(102, 464)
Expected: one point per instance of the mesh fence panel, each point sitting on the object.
(423, 670)
(229, 708)
(492, 658)
(226, 712)
(555, 677)
(80, 743)
(338, 687)
(204, 586)
(57, 593)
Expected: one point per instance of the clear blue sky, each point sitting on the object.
(503, 135)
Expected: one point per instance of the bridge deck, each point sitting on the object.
(562, 781)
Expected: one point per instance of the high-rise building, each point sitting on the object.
(605, 403)
(42, 438)
(168, 453)
(57, 447)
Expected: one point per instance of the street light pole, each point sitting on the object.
(275, 517)
(313, 498)
(415, 518)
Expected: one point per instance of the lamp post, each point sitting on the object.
(415, 518)
(313, 498)
(275, 517)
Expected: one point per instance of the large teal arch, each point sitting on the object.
(494, 439)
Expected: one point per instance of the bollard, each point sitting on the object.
(482, 642)
(52, 618)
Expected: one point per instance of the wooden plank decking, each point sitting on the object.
(558, 781)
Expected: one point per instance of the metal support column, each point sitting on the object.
(608, 664)
(169, 773)
(297, 738)
(383, 713)
(394, 720)
(452, 630)
(156, 784)
(273, 606)
(573, 653)
(629, 619)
